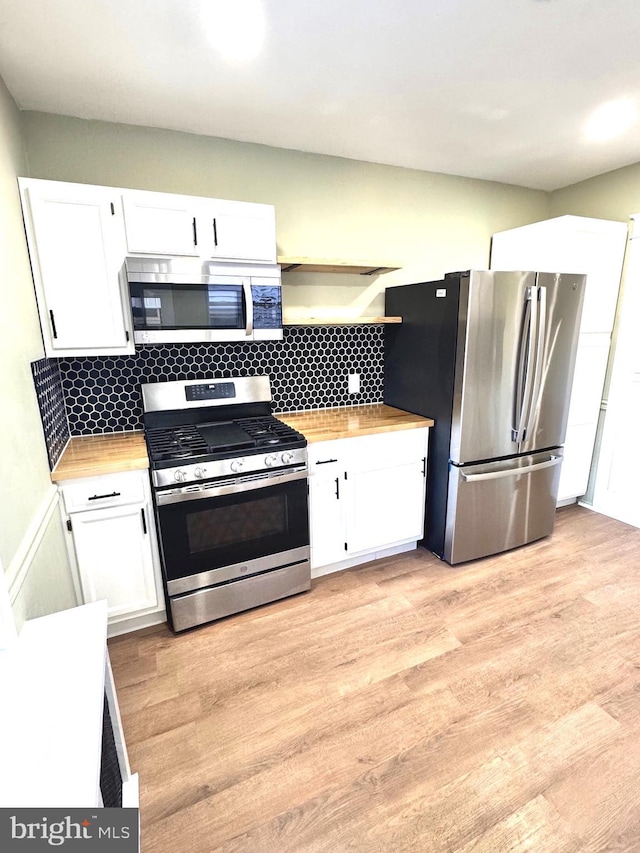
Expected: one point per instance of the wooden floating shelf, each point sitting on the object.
(340, 321)
(326, 265)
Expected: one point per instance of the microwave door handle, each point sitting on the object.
(248, 305)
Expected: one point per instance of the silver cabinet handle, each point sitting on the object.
(511, 472)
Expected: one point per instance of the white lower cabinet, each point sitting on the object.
(386, 505)
(366, 495)
(113, 543)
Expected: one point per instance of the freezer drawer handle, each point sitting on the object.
(511, 472)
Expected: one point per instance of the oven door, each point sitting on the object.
(216, 532)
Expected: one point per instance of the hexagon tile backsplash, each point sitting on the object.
(308, 370)
(50, 396)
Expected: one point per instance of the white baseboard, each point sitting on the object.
(362, 558)
(612, 513)
(135, 623)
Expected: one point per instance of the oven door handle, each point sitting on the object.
(189, 493)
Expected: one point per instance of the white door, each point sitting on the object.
(114, 555)
(76, 243)
(161, 224)
(618, 469)
(385, 506)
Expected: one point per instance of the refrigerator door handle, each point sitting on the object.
(511, 472)
(541, 335)
(524, 384)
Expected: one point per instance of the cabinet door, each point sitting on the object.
(239, 230)
(115, 558)
(168, 224)
(327, 517)
(160, 224)
(385, 506)
(76, 243)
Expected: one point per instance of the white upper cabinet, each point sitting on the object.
(79, 235)
(241, 230)
(75, 235)
(166, 224)
(160, 224)
(572, 244)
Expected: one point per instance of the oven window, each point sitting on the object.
(212, 532)
(232, 525)
(157, 307)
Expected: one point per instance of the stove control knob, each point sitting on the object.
(180, 476)
(236, 465)
(200, 472)
(287, 456)
(270, 460)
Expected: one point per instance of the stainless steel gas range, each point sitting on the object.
(230, 494)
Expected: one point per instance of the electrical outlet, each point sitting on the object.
(354, 383)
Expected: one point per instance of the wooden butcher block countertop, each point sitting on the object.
(351, 421)
(93, 455)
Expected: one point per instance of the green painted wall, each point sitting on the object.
(325, 206)
(25, 500)
(614, 195)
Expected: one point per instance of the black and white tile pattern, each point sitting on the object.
(308, 370)
(51, 402)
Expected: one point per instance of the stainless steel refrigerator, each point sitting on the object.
(489, 356)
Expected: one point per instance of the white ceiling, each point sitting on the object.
(493, 89)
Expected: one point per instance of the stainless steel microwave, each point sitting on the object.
(187, 300)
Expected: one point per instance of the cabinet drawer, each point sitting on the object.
(323, 456)
(372, 452)
(369, 451)
(97, 492)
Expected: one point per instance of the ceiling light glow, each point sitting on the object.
(235, 28)
(611, 119)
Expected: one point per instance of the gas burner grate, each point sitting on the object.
(269, 431)
(219, 439)
(175, 443)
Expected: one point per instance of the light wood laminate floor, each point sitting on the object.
(403, 706)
